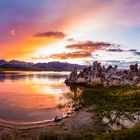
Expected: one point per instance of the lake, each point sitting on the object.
(32, 96)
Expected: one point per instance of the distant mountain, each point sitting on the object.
(57, 66)
(2, 62)
(51, 66)
(21, 64)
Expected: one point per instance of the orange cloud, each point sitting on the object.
(72, 55)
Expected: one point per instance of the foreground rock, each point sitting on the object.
(110, 76)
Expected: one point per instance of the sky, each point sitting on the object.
(75, 31)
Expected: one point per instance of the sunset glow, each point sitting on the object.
(32, 31)
(69, 69)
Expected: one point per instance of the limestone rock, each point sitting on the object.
(114, 83)
(136, 79)
(110, 76)
(138, 85)
(80, 81)
(96, 81)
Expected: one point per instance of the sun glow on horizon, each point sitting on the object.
(35, 35)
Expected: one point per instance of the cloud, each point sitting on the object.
(113, 61)
(89, 46)
(115, 50)
(71, 55)
(132, 50)
(50, 34)
(137, 53)
(72, 40)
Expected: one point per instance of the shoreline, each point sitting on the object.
(30, 125)
(76, 124)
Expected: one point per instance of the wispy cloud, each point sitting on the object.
(50, 34)
(115, 50)
(132, 50)
(137, 53)
(71, 55)
(89, 46)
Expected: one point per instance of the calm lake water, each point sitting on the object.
(32, 96)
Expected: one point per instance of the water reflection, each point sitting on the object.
(31, 75)
(32, 96)
(35, 96)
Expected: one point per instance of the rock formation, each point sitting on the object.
(100, 75)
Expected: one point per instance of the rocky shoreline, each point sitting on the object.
(110, 76)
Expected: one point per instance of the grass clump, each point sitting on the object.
(127, 134)
(57, 136)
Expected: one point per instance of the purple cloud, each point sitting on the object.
(50, 34)
(89, 46)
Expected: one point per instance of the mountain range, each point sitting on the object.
(50, 66)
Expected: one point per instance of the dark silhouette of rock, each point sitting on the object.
(57, 119)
